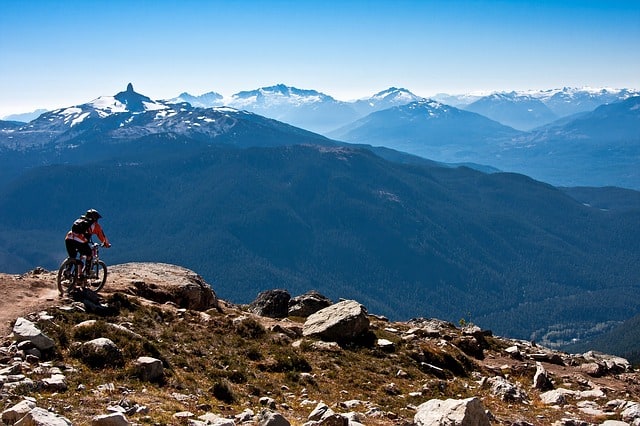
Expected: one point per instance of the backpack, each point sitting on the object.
(81, 225)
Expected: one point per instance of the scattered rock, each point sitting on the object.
(341, 322)
(101, 352)
(271, 303)
(307, 304)
(541, 379)
(461, 412)
(271, 418)
(506, 390)
(556, 396)
(148, 369)
(25, 330)
(112, 419)
(41, 417)
(18, 411)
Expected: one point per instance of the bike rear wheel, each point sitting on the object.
(97, 276)
(67, 275)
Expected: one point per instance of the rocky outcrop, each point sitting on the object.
(341, 322)
(307, 304)
(164, 283)
(271, 303)
(189, 361)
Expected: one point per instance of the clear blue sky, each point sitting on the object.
(56, 53)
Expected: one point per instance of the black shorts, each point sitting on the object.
(74, 247)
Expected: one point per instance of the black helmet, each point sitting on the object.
(93, 214)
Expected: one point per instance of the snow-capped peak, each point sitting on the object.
(398, 94)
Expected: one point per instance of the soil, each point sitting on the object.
(23, 294)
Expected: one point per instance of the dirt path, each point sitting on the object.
(24, 294)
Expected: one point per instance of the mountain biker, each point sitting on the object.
(77, 239)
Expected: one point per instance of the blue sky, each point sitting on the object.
(62, 53)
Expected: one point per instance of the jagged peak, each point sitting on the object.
(133, 100)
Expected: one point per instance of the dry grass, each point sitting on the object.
(225, 362)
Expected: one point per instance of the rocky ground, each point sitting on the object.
(158, 347)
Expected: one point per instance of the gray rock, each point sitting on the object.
(270, 418)
(271, 303)
(631, 413)
(112, 419)
(101, 352)
(451, 412)
(41, 417)
(245, 416)
(506, 390)
(614, 423)
(18, 411)
(386, 345)
(55, 383)
(25, 330)
(593, 369)
(340, 322)
(210, 419)
(570, 422)
(322, 410)
(612, 364)
(308, 304)
(148, 369)
(541, 379)
(267, 402)
(556, 396)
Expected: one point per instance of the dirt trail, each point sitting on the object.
(24, 294)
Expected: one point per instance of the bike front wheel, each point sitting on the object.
(97, 276)
(67, 275)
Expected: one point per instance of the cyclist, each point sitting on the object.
(77, 239)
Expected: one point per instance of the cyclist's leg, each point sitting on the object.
(85, 256)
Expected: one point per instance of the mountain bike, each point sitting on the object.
(95, 273)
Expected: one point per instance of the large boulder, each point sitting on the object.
(164, 283)
(272, 418)
(148, 369)
(111, 419)
(100, 352)
(41, 417)
(25, 330)
(341, 322)
(308, 304)
(18, 411)
(271, 303)
(451, 412)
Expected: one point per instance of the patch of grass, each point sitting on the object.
(223, 391)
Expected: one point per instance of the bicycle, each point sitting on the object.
(95, 275)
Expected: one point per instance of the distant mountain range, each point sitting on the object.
(523, 112)
(252, 203)
(321, 113)
(597, 148)
(467, 138)
(308, 109)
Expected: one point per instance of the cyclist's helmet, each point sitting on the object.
(93, 214)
